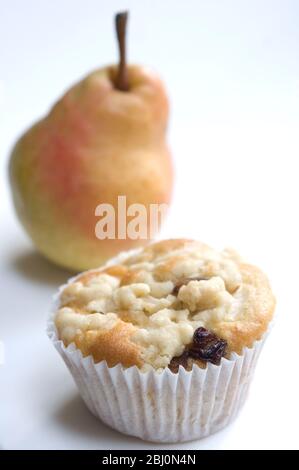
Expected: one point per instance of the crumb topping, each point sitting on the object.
(165, 294)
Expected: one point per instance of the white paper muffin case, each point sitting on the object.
(161, 407)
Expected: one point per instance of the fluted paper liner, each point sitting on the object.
(161, 407)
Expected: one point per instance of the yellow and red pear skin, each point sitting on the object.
(96, 143)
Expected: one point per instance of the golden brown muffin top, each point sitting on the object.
(147, 307)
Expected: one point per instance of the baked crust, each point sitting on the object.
(114, 345)
(257, 312)
(128, 313)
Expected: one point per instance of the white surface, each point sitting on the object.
(232, 72)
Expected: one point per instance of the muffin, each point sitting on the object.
(162, 341)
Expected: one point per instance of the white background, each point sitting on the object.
(232, 72)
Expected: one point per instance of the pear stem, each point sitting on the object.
(121, 82)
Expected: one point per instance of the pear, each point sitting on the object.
(103, 139)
